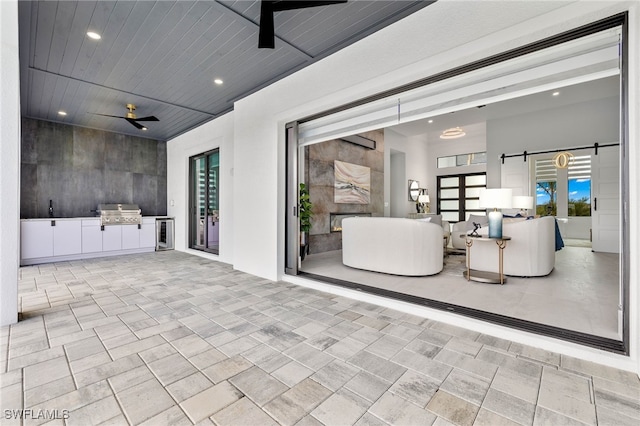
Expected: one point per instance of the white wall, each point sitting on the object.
(440, 37)
(10, 160)
(475, 140)
(214, 134)
(575, 227)
(416, 168)
(398, 197)
(568, 126)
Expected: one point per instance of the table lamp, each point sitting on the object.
(522, 202)
(495, 198)
(424, 200)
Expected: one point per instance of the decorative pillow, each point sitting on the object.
(424, 219)
(482, 220)
(436, 218)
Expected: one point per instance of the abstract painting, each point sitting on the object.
(352, 183)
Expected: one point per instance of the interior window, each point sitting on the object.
(579, 187)
(546, 188)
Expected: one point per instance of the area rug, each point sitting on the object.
(454, 264)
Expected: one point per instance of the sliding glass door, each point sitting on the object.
(204, 213)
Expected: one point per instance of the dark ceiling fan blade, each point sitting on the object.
(107, 115)
(149, 118)
(266, 34)
(132, 121)
(302, 4)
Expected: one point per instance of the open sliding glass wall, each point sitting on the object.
(564, 94)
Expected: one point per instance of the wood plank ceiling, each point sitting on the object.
(163, 56)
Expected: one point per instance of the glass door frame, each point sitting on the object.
(194, 216)
(462, 194)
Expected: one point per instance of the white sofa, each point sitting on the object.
(392, 245)
(529, 253)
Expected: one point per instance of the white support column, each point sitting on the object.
(10, 160)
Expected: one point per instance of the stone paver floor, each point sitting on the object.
(170, 338)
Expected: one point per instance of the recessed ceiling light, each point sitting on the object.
(218, 81)
(62, 113)
(144, 128)
(555, 94)
(430, 121)
(94, 35)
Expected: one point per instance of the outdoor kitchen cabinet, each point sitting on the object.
(82, 238)
(91, 236)
(143, 237)
(42, 238)
(148, 233)
(67, 237)
(36, 239)
(112, 238)
(130, 237)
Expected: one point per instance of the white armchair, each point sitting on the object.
(465, 227)
(531, 252)
(446, 230)
(457, 230)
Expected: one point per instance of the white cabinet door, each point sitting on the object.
(91, 239)
(36, 239)
(112, 238)
(130, 237)
(67, 237)
(148, 233)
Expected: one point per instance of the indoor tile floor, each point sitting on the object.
(170, 338)
(581, 293)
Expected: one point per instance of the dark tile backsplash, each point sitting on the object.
(79, 168)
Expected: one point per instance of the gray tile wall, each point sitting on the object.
(79, 168)
(320, 175)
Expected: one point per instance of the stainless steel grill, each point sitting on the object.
(119, 214)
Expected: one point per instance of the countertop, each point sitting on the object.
(83, 218)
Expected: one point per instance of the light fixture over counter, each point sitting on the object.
(453, 133)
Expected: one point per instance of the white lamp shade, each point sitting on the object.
(496, 198)
(522, 202)
(424, 198)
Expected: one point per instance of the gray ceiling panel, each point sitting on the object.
(163, 56)
(46, 18)
(75, 37)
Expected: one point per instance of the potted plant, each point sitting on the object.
(304, 215)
